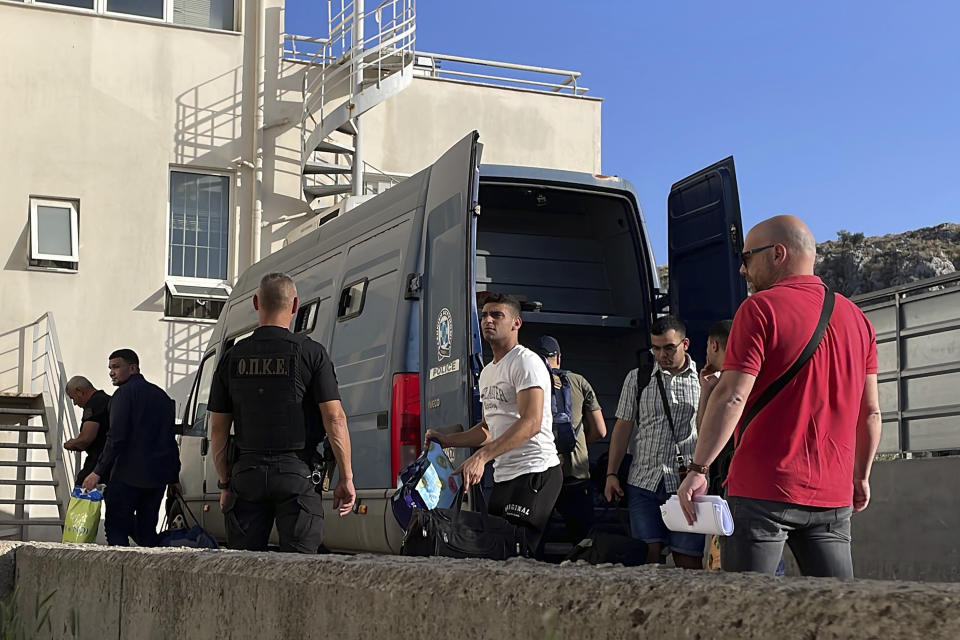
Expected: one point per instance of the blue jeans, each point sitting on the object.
(819, 538)
(646, 523)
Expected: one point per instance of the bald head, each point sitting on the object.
(78, 383)
(276, 293)
(789, 231)
(777, 248)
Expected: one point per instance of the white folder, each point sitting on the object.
(713, 516)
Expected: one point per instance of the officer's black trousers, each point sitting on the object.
(268, 488)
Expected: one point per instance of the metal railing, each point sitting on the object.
(521, 76)
(31, 363)
(312, 51)
(341, 63)
(340, 69)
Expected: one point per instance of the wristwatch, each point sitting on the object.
(223, 485)
(698, 468)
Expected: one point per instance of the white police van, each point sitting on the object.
(391, 290)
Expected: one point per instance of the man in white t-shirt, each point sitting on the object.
(517, 427)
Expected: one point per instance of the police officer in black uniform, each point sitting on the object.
(279, 390)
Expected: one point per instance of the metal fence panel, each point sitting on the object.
(918, 349)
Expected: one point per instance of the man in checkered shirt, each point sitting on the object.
(654, 473)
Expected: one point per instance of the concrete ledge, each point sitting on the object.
(147, 593)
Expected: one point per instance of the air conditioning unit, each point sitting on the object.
(311, 225)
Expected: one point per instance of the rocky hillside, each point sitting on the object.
(853, 264)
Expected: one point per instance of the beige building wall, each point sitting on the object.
(99, 109)
(409, 131)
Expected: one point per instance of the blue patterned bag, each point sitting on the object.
(427, 483)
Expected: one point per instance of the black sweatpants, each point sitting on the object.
(528, 501)
(268, 488)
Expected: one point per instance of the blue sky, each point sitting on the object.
(844, 113)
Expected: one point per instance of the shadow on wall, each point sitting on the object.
(212, 127)
(209, 119)
(185, 344)
(211, 123)
(17, 261)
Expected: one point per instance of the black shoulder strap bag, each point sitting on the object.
(681, 463)
(775, 387)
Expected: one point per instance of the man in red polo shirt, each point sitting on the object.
(802, 466)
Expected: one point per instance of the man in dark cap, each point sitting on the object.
(575, 503)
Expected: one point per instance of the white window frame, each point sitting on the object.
(220, 289)
(100, 8)
(72, 205)
(231, 189)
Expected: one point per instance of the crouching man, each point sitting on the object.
(517, 427)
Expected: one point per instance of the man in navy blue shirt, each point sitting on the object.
(140, 453)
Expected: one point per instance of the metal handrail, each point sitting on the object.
(55, 396)
(567, 81)
(341, 63)
(40, 370)
(392, 178)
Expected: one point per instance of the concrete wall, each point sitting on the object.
(911, 529)
(103, 593)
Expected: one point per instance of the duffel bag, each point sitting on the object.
(455, 533)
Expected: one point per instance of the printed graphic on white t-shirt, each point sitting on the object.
(500, 381)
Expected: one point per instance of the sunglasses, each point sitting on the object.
(746, 254)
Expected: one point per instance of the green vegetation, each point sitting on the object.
(13, 627)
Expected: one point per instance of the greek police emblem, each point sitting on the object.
(444, 334)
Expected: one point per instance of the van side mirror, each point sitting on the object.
(179, 428)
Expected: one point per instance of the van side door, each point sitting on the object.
(705, 238)
(450, 334)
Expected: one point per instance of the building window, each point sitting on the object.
(54, 233)
(209, 14)
(199, 225)
(80, 4)
(196, 285)
(145, 8)
(213, 14)
(191, 308)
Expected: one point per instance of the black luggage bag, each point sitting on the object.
(455, 533)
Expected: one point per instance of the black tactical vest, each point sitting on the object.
(267, 388)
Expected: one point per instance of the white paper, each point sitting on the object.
(713, 516)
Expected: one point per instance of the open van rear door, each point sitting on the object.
(705, 237)
(449, 334)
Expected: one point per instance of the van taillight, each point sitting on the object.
(404, 421)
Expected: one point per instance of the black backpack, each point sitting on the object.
(561, 404)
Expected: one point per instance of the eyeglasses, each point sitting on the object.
(746, 254)
(668, 349)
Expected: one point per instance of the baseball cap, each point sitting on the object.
(547, 346)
